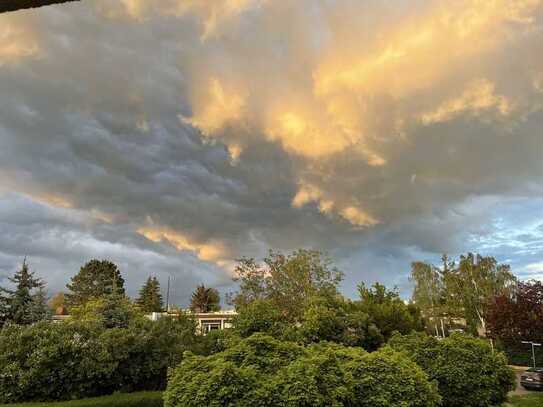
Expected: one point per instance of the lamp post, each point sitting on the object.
(534, 344)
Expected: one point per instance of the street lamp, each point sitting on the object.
(534, 344)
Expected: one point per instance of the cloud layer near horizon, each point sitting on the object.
(175, 136)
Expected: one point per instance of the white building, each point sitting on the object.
(207, 321)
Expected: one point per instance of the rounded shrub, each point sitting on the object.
(52, 362)
(468, 372)
(263, 371)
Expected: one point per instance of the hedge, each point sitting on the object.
(263, 371)
(71, 360)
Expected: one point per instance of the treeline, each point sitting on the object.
(296, 341)
(97, 284)
(484, 297)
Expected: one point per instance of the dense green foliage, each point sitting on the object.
(387, 310)
(26, 303)
(69, 360)
(296, 341)
(314, 310)
(205, 299)
(97, 278)
(287, 281)
(150, 298)
(263, 371)
(140, 399)
(469, 374)
(111, 311)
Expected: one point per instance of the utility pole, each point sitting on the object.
(534, 344)
(168, 296)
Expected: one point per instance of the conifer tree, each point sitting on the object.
(205, 299)
(150, 299)
(26, 303)
(96, 279)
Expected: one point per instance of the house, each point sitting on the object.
(206, 321)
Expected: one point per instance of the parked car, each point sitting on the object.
(532, 379)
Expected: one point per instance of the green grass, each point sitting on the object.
(142, 399)
(528, 400)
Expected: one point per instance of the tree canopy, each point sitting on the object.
(27, 302)
(205, 299)
(461, 289)
(97, 278)
(150, 298)
(288, 281)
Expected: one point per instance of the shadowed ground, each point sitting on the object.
(13, 5)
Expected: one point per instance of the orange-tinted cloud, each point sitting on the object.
(17, 40)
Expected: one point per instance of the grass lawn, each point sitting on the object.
(143, 399)
(528, 400)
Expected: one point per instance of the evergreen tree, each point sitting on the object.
(4, 308)
(205, 300)
(27, 303)
(150, 299)
(96, 279)
(39, 309)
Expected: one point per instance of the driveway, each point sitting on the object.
(519, 390)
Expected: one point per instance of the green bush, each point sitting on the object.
(52, 362)
(468, 373)
(263, 371)
(49, 361)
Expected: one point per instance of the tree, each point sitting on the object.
(259, 316)
(339, 320)
(428, 292)
(150, 298)
(111, 311)
(57, 303)
(288, 281)
(460, 290)
(205, 299)
(514, 318)
(387, 310)
(472, 283)
(95, 279)
(26, 304)
(520, 316)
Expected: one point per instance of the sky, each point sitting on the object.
(173, 137)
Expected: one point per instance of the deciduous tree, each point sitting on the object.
(288, 281)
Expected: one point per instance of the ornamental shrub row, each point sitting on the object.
(411, 371)
(49, 361)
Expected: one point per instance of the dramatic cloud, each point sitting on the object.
(175, 136)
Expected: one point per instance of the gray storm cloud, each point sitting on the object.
(176, 136)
